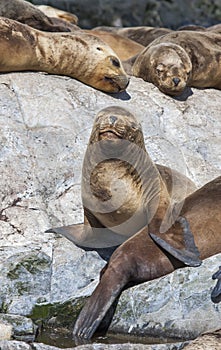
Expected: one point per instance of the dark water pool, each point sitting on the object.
(63, 339)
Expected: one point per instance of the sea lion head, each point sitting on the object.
(104, 70)
(166, 65)
(115, 124)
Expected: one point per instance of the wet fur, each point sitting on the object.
(139, 259)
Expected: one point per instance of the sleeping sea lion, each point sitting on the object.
(57, 13)
(78, 55)
(142, 35)
(122, 189)
(123, 47)
(24, 12)
(216, 292)
(180, 59)
(146, 255)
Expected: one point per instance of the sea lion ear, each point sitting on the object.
(189, 253)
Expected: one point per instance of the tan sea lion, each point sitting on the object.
(142, 35)
(123, 47)
(180, 59)
(145, 256)
(216, 292)
(57, 13)
(80, 56)
(216, 28)
(24, 12)
(122, 189)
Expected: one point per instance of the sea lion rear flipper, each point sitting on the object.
(216, 292)
(102, 299)
(189, 254)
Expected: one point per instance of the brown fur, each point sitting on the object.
(142, 35)
(81, 56)
(24, 12)
(123, 47)
(140, 259)
(57, 13)
(122, 189)
(180, 59)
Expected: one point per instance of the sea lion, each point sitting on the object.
(180, 59)
(57, 13)
(216, 28)
(145, 256)
(80, 56)
(216, 292)
(24, 12)
(142, 35)
(122, 189)
(123, 47)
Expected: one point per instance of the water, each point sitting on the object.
(62, 338)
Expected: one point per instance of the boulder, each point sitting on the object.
(45, 126)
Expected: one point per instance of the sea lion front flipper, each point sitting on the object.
(189, 254)
(216, 292)
(75, 234)
(87, 237)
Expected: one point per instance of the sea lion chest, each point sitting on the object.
(115, 197)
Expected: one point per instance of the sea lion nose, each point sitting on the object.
(176, 81)
(112, 119)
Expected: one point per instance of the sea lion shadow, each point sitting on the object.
(185, 94)
(123, 95)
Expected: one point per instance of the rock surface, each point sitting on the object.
(163, 13)
(45, 126)
(15, 345)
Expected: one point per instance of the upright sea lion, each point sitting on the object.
(80, 56)
(180, 59)
(145, 256)
(123, 47)
(142, 35)
(122, 189)
(216, 292)
(24, 12)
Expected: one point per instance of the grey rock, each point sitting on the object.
(15, 345)
(22, 328)
(45, 126)
(5, 330)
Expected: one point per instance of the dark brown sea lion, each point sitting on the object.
(78, 55)
(123, 47)
(145, 256)
(216, 292)
(142, 35)
(24, 12)
(122, 189)
(180, 59)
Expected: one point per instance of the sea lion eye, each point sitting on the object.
(99, 48)
(160, 68)
(133, 126)
(115, 62)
